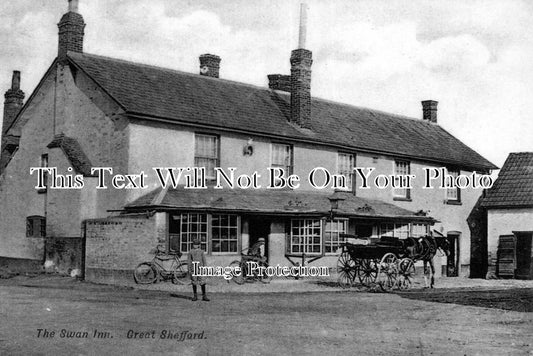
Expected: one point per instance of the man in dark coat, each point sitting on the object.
(196, 254)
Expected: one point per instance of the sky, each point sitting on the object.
(474, 57)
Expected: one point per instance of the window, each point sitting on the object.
(401, 168)
(332, 235)
(345, 166)
(35, 226)
(184, 228)
(305, 236)
(224, 232)
(282, 157)
(206, 153)
(418, 230)
(453, 194)
(397, 230)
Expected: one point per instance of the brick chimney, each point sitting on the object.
(429, 110)
(301, 61)
(279, 82)
(209, 65)
(70, 31)
(13, 103)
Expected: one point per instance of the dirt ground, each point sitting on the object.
(470, 320)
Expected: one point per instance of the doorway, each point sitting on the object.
(524, 268)
(363, 230)
(258, 227)
(452, 261)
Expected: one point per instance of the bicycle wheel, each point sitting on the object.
(145, 273)
(239, 279)
(181, 274)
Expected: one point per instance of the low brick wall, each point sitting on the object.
(117, 245)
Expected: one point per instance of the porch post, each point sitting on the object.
(276, 244)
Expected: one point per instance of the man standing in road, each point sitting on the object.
(196, 254)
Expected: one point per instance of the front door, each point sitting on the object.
(259, 227)
(452, 263)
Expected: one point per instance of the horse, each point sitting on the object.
(425, 248)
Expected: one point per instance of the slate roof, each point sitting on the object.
(263, 201)
(74, 153)
(200, 100)
(514, 186)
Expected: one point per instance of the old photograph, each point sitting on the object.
(266, 177)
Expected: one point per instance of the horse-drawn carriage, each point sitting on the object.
(389, 262)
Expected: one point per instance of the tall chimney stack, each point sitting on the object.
(71, 32)
(13, 103)
(301, 61)
(210, 65)
(429, 110)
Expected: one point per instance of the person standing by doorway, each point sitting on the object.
(258, 250)
(196, 254)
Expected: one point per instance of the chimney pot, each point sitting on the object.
(209, 65)
(429, 110)
(15, 80)
(73, 5)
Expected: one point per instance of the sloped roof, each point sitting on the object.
(74, 153)
(265, 201)
(194, 99)
(514, 186)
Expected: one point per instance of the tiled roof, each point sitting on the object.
(74, 153)
(514, 186)
(194, 99)
(264, 201)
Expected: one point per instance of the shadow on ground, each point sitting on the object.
(515, 299)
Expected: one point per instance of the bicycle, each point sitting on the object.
(156, 270)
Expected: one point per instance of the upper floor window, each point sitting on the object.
(453, 194)
(345, 166)
(206, 153)
(35, 226)
(401, 168)
(282, 157)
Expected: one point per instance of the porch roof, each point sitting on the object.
(272, 202)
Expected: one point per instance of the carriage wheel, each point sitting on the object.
(406, 273)
(346, 269)
(239, 279)
(367, 271)
(388, 272)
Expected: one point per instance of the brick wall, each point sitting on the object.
(119, 243)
